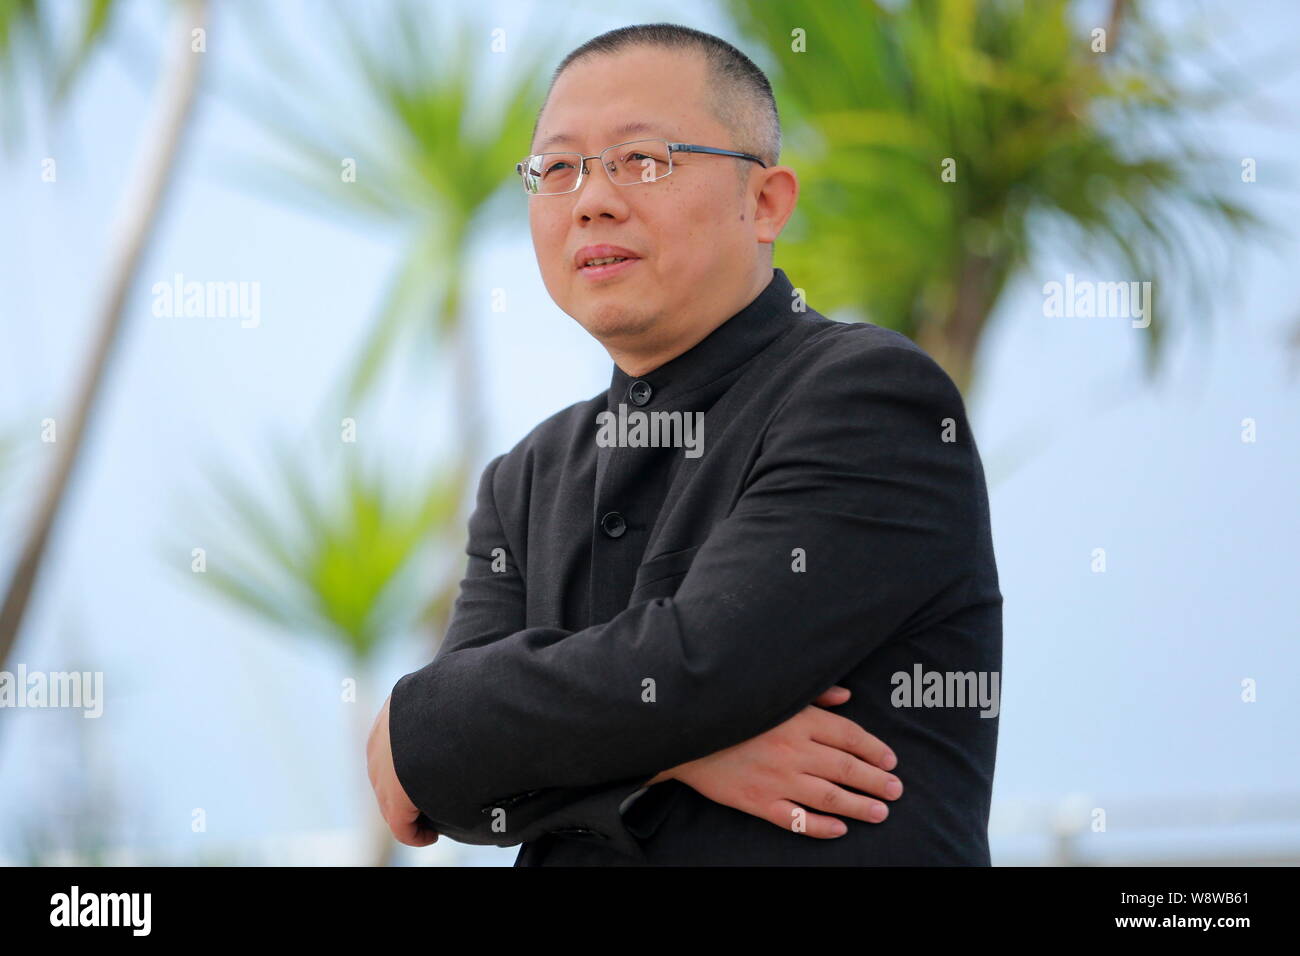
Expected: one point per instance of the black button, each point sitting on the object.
(640, 392)
(613, 524)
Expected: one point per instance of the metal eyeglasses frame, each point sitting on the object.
(672, 148)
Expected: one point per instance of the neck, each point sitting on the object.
(644, 356)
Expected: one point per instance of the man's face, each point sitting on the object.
(692, 232)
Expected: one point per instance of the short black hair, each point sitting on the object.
(741, 98)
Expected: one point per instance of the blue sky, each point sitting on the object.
(1122, 688)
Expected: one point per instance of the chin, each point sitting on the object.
(612, 321)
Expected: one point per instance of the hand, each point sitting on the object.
(398, 811)
(798, 764)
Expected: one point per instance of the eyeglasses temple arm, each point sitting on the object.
(689, 148)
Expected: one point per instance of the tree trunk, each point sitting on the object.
(953, 339)
(176, 88)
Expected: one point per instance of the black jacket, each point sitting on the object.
(626, 609)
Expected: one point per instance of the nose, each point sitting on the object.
(599, 197)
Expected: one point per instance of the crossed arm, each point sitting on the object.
(553, 724)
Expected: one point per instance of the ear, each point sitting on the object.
(774, 201)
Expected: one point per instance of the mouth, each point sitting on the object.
(601, 267)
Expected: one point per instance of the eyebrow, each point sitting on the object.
(625, 129)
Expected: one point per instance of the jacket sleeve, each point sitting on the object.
(490, 606)
(857, 522)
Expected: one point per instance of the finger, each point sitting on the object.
(790, 816)
(832, 697)
(411, 835)
(839, 767)
(409, 825)
(818, 794)
(844, 734)
(425, 833)
(421, 827)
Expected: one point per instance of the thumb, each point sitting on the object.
(830, 698)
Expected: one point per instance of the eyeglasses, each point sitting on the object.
(627, 164)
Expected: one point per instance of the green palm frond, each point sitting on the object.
(1051, 142)
(30, 54)
(431, 148)
(338, 561)
(432, 129)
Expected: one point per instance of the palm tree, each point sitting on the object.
(177, 85)
(431, 153)
(341, 564)
(1050, 142)
(430, 156)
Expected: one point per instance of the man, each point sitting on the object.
(660, 613)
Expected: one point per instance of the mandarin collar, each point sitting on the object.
(725, 349)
